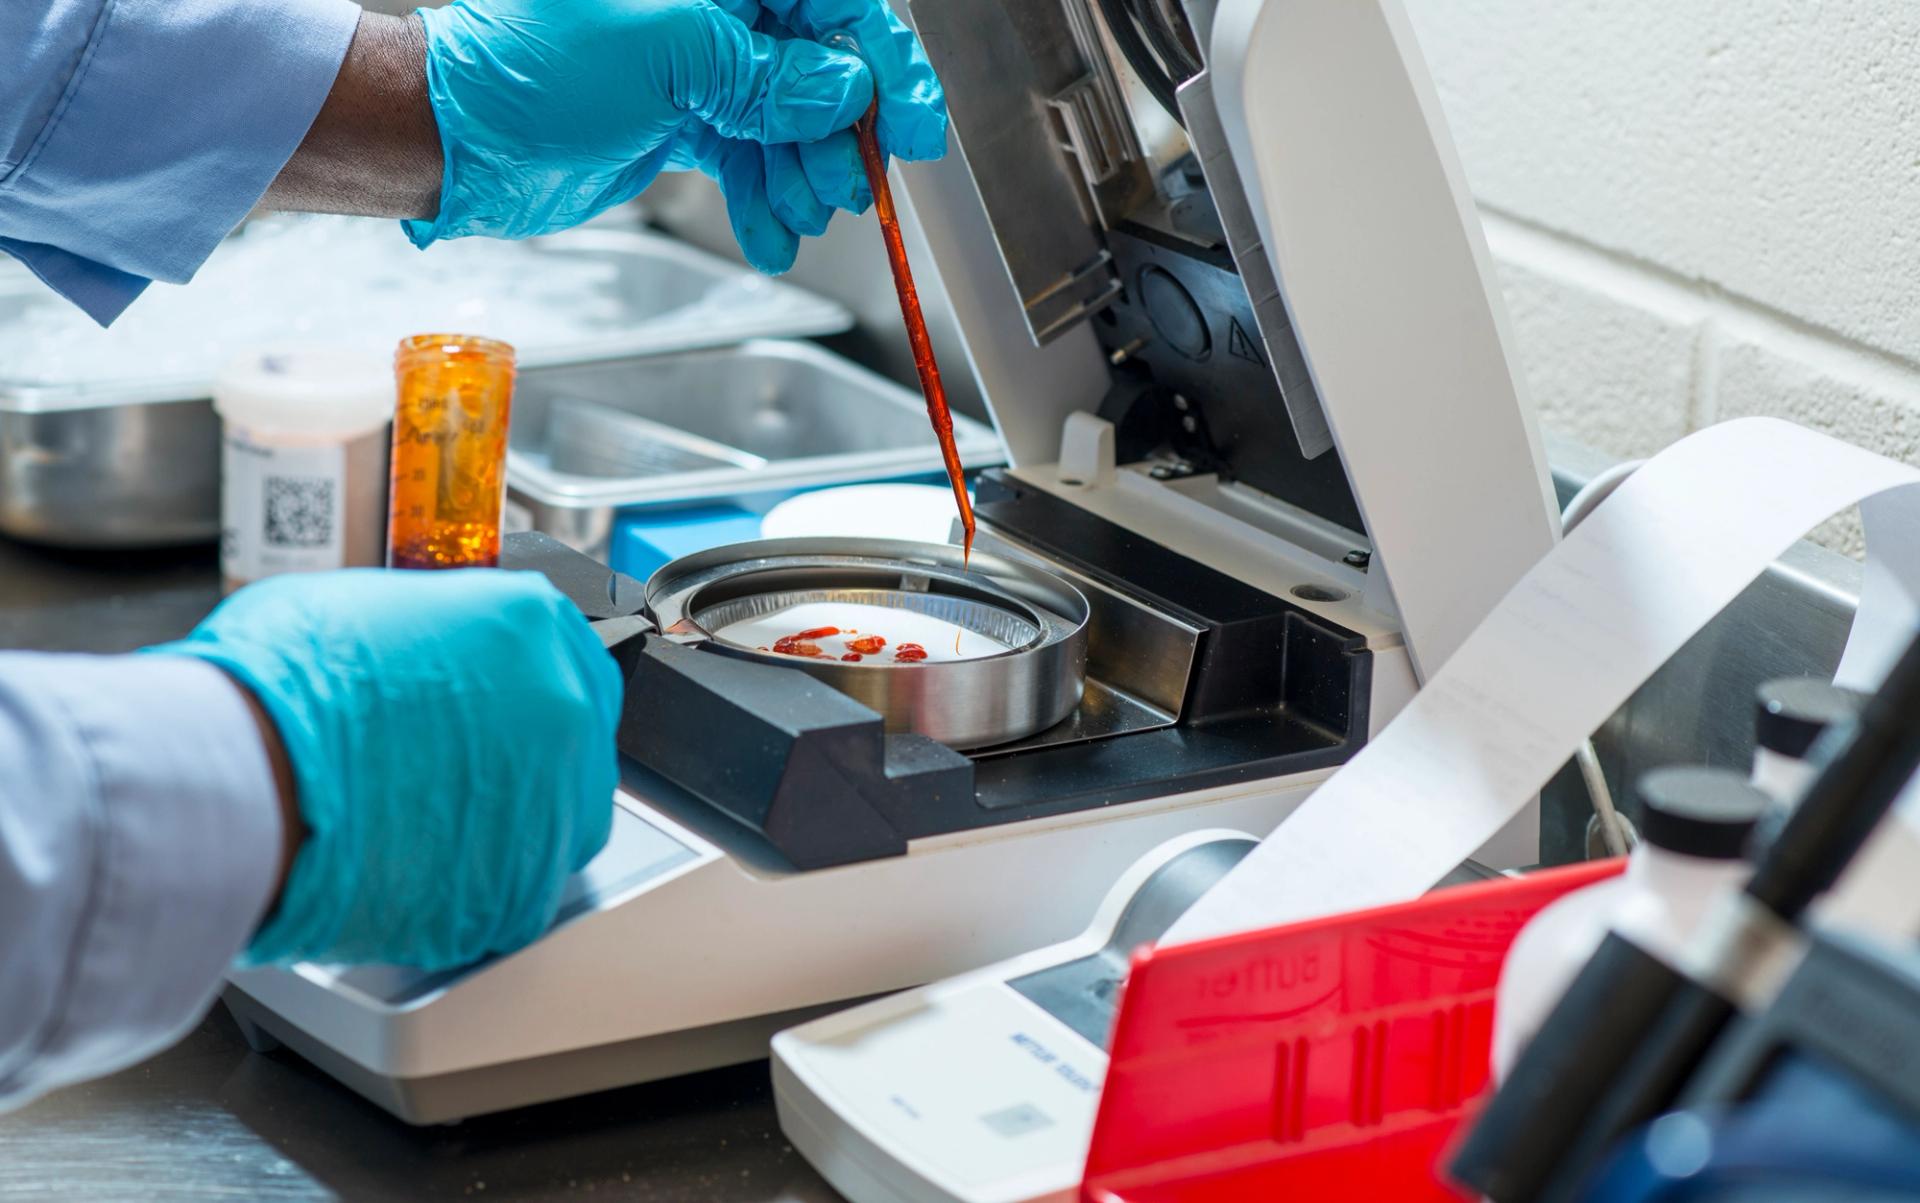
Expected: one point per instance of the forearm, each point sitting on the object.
(293, 829)
(374, 148)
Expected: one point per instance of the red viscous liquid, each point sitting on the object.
(923, 360)
(857, 649)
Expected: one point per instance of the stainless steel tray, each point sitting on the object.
(584, 295)
(96, 452)
(759, 417)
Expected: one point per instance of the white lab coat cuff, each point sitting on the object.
(182, 857)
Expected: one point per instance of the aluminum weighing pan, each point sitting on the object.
(1031, 685)
(766, 416)
(118, 459)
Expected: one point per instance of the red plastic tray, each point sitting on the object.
(1330, 1059)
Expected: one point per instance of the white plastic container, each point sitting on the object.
(1694, 827)
(303, 466)
(1790, 715)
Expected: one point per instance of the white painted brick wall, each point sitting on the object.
(1701, 208)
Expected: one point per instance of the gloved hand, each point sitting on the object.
(805, 181)
(452, 742)
(551, 111)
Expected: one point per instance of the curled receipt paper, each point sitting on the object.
(1565, 649)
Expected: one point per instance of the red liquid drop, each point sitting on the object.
(857, 649)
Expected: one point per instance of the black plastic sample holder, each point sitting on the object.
(1274, 690)
(799, 762)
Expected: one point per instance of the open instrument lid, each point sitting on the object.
(1286, 287)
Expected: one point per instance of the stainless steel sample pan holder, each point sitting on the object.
(1038, 617)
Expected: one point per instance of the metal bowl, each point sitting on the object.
(1028, 627)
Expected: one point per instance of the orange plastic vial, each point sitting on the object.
(449, 451)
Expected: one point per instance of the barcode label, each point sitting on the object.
(282, 507)
(300, 511)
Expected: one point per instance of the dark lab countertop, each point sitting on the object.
(210, 1119)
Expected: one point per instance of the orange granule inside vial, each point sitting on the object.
(449, 451)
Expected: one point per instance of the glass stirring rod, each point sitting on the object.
(866, 131)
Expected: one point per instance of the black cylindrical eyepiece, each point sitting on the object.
(1866, 766)
(1630, 1031)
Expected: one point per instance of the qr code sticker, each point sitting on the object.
(299, 511)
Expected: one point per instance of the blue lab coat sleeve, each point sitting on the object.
(139, 845)
(136, 134)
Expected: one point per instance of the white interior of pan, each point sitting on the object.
(946, 628)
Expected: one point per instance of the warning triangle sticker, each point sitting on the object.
(1241, 344)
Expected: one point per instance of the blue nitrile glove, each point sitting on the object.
(551, 112)
(804, 179)
(913, 108)
(452, 742)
